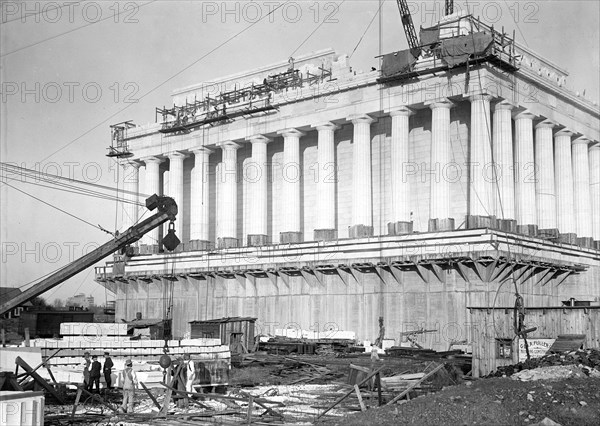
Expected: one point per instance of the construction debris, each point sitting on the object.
(588, 359)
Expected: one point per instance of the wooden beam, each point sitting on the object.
(545, 276)
(438, 272)
(273, 277)
(502, 272)
(491, 270)
(562, 276)
(38, 379)
(417, 383)
(152, 397)
(360, 400)
(463, 271)
(365, 380)
(397, 274)
(24, 375)
(480, 270)
(422, 272)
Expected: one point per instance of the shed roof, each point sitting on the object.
(224, 320)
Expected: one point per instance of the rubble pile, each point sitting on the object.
(587, 359)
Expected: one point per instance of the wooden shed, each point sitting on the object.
(237, 332)
(494, 342)
(47, 323)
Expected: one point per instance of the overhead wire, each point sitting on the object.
(314, 31)
(39, 175)
(378, 13)
(113, 15)
(54, 207)
(169, 79)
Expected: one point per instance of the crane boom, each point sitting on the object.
(407, 22)
(167, 210)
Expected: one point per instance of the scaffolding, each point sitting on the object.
(239, 102)
(118, 146)
(466, 35)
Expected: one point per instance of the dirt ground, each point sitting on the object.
(496, 401)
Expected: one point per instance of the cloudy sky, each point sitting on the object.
(68, 70)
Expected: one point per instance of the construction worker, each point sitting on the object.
(108, 365)
(130, 384)
(87, 363)
(190, 372)
(95, 374)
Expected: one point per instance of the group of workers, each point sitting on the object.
(127, 377)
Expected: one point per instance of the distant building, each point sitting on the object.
(81, 300)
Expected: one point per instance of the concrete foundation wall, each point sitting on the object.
(344, 304)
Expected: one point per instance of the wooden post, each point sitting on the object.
(415, 384)
(26, 337)
(250, 404)
(152, 397)
(365, 380)
(77, 398)
(360, 400)
(378, 383)
(3, 338)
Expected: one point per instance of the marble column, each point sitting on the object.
(525, 175)
(439, 192)
(150, 243)
(175, 191)
(326, 178)
(290, 186)
(199, 200)
(227, 196)
(401, 221)
(581, 191)
(563, 179)
(131, 189)
(545, 197)
(256, 174)
(481, 188)
(504, 205)
(594, 157)
(362, 199)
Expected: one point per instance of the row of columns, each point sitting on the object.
(536, 187)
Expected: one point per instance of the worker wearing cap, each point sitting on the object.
(87, 363)
(108, 365)
(130, 383)
(190, 372)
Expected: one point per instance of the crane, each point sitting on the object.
(407, 23)
(167, 210)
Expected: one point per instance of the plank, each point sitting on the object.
(151, 396)
(168, 395)
(360, 400)
(77, 398)
(38, 379)
(365, 380)
(24, 375)
(417, 383)
(250, 406)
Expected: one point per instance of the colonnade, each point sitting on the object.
(544, 182)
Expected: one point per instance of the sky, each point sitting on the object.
(70, 69)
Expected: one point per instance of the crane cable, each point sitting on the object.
(519, 306)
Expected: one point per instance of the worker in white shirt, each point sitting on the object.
(130, 384)
(190, 372)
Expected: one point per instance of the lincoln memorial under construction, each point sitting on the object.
(316, 196)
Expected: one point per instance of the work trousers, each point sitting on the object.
(128, 395)
(108, 379)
